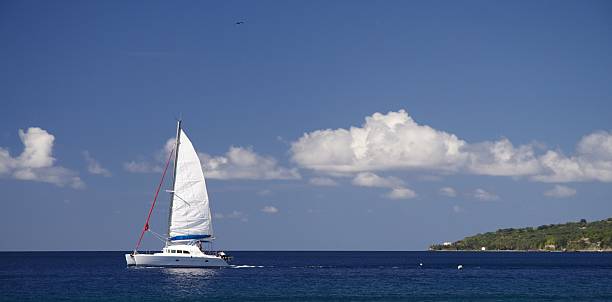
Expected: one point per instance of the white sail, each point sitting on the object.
(190, 217)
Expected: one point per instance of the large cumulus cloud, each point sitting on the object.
(36, 161)
(384, 142)
(394, 141)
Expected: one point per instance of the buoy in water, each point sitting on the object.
(459, 266)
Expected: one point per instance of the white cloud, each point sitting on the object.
(36, 162)
(369, 179)
(448, 192)
(559, 191)
(6, 161)
(323, 181)
(38, 146)
(501, 158)
(484, 195)
(559, 168)
(142, 167)
(401, 193)
(386, 141)
(592, 162)
(232, 215)
(398, 190)
(244, 163)
(269, 210)
(236, 163)
(94, 167)
(56, 175)
(394, 141)
(154, 165)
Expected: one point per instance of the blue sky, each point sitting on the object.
(480, 116)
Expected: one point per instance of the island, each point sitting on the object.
(571, 236)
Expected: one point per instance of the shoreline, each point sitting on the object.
(529, 251)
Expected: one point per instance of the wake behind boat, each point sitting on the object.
(189, 221)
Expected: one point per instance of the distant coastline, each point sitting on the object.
(581, 236)
(524, 251)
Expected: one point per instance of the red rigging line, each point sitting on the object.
(146, 225)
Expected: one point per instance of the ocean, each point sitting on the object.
(313, 276)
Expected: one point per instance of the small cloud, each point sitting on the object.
(369, 179)
(141, 167)
(398, 190)
(233, 215)
(323, 181)
(94, 167)
(559, 191)
(244, 163)
(153, 165)
(401, 193)
(448, 192)
(269, 210)
(236, 214)
(282, 140)
(457, 209)
(484, 195)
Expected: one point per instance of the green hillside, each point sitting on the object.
(571, 236)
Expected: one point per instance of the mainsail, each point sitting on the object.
(190, 217)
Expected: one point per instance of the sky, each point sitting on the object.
(321, 125)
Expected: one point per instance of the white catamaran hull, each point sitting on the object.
(161, 260)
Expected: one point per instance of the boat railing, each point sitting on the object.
(148, 252)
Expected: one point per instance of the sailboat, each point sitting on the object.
(190, 228)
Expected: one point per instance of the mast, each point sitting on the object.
(176, 152)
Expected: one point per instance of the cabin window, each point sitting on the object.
(179, 251)
(186, 252)
(172, 251)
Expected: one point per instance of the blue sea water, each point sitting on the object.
(313, 276)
